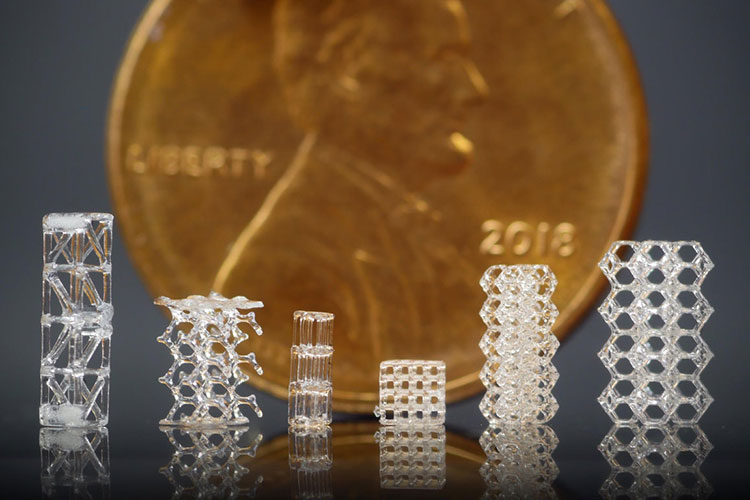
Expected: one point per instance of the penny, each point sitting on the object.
(371, 159)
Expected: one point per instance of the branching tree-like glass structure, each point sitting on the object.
(206, 375)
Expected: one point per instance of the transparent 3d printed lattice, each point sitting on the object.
(655, 461)
(519, 461)
(76, 319)
(412, 392)
(655, 311)
(206, 462)
(206, 376)
(519, 344)
(412, 457)
(310, 388)
(75, 462)
(310, 462)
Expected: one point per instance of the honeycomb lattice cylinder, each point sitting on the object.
(519, 344)
(655, 311)
(76, 319)
(310, 386)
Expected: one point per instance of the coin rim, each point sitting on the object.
(467, 385)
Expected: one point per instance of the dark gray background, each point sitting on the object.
(57, 63)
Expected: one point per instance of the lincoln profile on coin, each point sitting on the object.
(381, 90)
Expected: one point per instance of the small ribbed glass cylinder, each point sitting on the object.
(310, 385)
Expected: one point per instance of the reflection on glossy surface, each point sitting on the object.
(519, 461)
(412, 457)
(310, 461)
(355, 473)
(655, 462)
(75, 462)
(205, 462)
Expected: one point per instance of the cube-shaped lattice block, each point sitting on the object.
(412, 392)
(519, 461)
(655, 461)
(75, 462)
(655, 311)
(211, 463)
(206, 377)
(310, 388)
(519, 344)
(412, 457)
(76, 319)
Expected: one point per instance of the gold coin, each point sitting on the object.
(371, 159)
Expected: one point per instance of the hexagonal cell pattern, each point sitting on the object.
(655, 310)
(206, 376)
(519, 344)
(655, 461)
